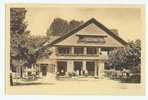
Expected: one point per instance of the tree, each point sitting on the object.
(19, 35)
(60, 26)
(117, 58)
(34, 48)
(24, 48)
(73, 24)
(133, 53)
(128, 57)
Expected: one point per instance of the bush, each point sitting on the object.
(135, 78)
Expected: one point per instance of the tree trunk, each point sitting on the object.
(11, 79)
(21, 69)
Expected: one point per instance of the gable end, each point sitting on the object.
(98, 24)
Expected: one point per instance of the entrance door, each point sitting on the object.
(78, 66)
(90, 66)
(62, 67)
(43, 68)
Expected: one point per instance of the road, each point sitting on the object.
(85, 86)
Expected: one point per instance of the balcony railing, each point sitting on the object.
(74, 54)
(83, 56)
(92, 57)
(77, 54)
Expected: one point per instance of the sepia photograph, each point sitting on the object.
(75, 49)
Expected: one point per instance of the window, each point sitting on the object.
(104, 49)
(78, 50)
(63, 50)
(92, 39)
(91, 50)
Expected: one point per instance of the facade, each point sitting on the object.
(84, 50)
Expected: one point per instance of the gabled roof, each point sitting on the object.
(92, 20)
(98, 24)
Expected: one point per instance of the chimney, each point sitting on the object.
(115, 31)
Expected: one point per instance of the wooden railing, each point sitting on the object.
(78, 55)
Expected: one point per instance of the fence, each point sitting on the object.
(123, 76)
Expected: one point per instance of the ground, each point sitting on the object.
(85, 86)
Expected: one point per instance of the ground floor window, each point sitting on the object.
(89, 68)
(61, 67)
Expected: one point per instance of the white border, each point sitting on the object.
(2, 49)
(78, 1)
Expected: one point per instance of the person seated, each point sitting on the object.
(86, 73)
(77, 72)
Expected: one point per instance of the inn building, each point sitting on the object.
(85, 49)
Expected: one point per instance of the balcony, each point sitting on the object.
(102, 56)
(84, 55)
(81, 53)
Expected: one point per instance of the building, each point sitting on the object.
(83, 50)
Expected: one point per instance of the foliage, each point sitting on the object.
(36, 41)
(23, 49)
(34, 48)
(18, 36)
(128, 57)
(60, 26)
(32, 54)
(73, 24)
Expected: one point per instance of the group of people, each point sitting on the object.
(83, 72)
(75, 73)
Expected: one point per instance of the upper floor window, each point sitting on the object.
(92, 39)
(63, 50)
(78, 50)
(91, 50)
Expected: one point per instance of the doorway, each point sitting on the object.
(44, 68)
(90, 66)
(78, 66)
(61, 67)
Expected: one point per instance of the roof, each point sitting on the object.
(94, 21)
(47, 43)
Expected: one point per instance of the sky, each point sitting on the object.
(128, 21)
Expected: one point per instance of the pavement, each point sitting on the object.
(79, 86)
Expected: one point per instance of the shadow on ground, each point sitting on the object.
(24, 84)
